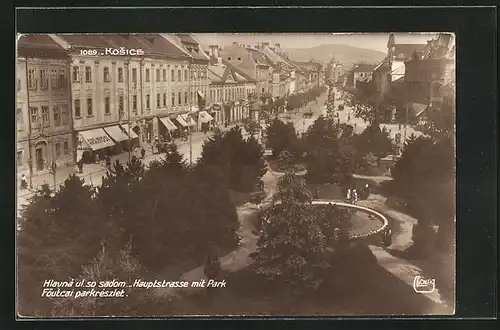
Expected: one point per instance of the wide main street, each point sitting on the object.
(94, 173)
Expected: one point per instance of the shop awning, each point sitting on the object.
(133, 135)
(181, 121)
(116, 133)
(188, 119)
(204, 117)
(200, 94)
(417, 108)
(168, 123)
(97, 139)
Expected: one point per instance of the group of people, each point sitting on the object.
(352, 194)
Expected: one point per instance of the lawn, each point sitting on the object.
(356, 286)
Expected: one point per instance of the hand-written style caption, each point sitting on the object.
(114, 288)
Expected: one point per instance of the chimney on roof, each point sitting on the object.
(265, 44)
(219, 61)
(256, 46)
(214, 50)
(277, 48)
(235, 43)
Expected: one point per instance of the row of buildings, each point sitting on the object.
(94, 94)
(413, 81)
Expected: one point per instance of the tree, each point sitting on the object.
(59, 234)
(281, 136)
(108, 266)
(294, 238)
(425, 176)
(251, 126)
(285, 161)
(241, 161)
(329, 154)
(374, 140)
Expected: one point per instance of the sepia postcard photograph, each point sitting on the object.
(235, 174)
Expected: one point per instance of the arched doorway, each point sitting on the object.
(40, 155)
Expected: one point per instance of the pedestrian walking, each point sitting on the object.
(24, 182)
(108, 161)
(348, 196)
(143, 153)
(96, 158)
(80, 166)
(388, 237)
(354, 196)
(399, 126)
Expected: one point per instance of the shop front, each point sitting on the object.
(132, 132)
(217, 114)
(122, 141)
(92, 143)
(204, 121)
(167, 130)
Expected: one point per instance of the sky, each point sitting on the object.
(375, 41)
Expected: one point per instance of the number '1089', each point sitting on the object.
(88, 52)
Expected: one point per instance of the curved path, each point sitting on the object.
(363, 235)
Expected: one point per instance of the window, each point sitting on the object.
(134, 75)
(106, 74)
(107, 105)
(19, 156)
(31, 79)
(186, 75)
(164, 99)
(88, 74)
(76, 74)
(90, 112)
(18, 84)
(120, 74)
(134, 102)
(179, 77)
(58, 150)
(172, 75)
(19, 118)
(61, 81)
(44, 79)
(66, 147)
(34, 116)
(120, 106)
(45, 116)
(147, 101)
(229, 58)
(173, 99)
(186, 97)
(157, 75)
(158, 100)
(147, 75)
(164, 74)
(57, 115)
(64, 114)
(78, 112)
(262, 90)
(239, 58)
(179, 98)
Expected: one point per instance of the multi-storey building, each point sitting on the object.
(398, 54)
(42, 105)
(361, 73)
(430, 80)
(230, 89)
(312, 72)
(199, 81)
(251, 61)
(140, 96)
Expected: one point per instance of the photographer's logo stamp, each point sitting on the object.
(424, 284)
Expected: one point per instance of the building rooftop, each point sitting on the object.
(404, 52)
(363, 68)
(39, 41)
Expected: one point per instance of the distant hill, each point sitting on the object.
(347, 55)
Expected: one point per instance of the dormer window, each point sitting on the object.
(229, 58)
(239, 58)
